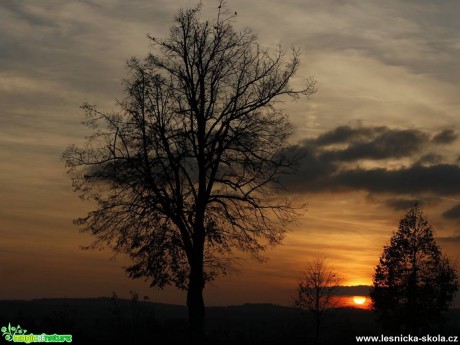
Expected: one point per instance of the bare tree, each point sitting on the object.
(186, 172)
(316, 290)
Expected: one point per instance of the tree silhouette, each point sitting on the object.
(186, 172)
(316, 289)
(414, 282)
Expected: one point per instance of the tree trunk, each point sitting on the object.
(317, 327)
(317, 314)
(195, 303)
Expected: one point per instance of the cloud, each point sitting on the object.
(374, 159)
(24, 12)
(453, 213)
(450, 239)
(430, 158)
(440, 179)
(359, 290)
(399, 204)
(446, 136)
(311, 166)
(368, 143)
(346, 134)
(385, 143)
(405, 203)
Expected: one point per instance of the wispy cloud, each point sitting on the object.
(453, 213)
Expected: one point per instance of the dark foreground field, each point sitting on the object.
(106, 320)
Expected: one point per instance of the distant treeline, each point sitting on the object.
(113, 320)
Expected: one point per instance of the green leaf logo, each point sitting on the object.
(10, 331)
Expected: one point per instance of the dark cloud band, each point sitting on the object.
(331, 162)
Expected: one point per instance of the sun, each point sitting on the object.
(360, 300)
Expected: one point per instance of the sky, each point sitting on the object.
(381, 133)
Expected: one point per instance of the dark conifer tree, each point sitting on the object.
(414, 282)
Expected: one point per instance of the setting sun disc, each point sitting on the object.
(359, 300)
